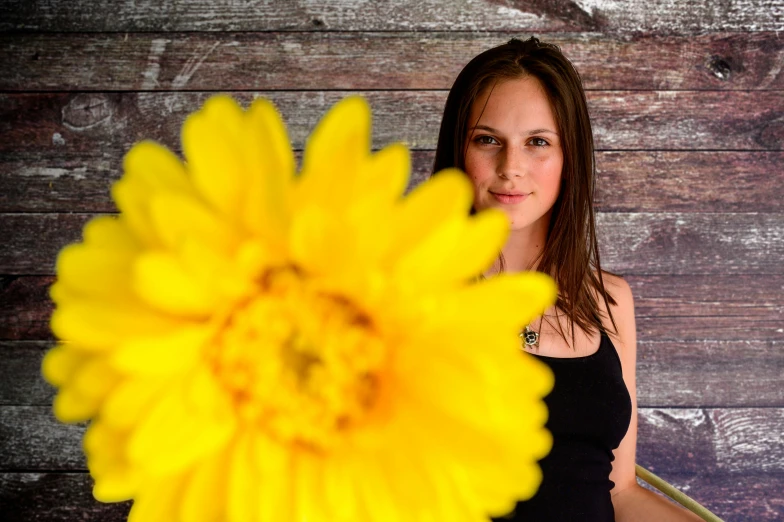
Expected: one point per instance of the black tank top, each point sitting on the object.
(589, 413)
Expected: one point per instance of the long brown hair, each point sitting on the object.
(571, 252)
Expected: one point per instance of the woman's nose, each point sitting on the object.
(512, 163)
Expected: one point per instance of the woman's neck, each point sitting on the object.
(522, 250)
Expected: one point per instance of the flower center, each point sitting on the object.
(302, 365)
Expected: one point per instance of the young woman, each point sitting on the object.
(516, 121)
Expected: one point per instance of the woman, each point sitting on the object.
(516, 121)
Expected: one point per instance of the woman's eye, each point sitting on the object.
(486, 140)
(539, 142)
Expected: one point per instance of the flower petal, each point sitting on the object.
(161, 281)
(271, 172)
(211, 141)
(334, 155)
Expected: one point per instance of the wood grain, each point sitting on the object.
(54, 497)
(356, 61)
(86, 123)
(710, 374)
(21, 360)
(679, 440)
(734, 374)
(25, 307)
(657, 16)
(634, 181)
(634, 243)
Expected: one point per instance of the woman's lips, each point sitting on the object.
(509, 199)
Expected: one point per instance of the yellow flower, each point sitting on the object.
(253, 345)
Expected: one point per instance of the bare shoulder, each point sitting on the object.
(622, 311)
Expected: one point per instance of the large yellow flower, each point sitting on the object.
(253, 345)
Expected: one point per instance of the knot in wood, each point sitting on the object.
(720, 68)
(87, 110)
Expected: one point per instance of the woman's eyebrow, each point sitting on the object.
(530, 133)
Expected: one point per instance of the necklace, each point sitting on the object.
(530, 338)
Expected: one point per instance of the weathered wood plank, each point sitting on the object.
(20, 362)
(634, 243)
(290, 61)
(32, 439)
(55, 497)
(736, 374)
(723, 440)
(659, 16)
(85, 123)
(699, 244)
(25, 307)
(679, 440)
(710, 373)
(648, 181)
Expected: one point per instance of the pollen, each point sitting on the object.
(300, 364)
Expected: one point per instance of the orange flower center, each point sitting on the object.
(301, 365)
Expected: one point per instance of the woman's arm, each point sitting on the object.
(631, 501)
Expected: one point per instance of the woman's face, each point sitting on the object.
(514, 156)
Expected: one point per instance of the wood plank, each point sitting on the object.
(20, 362)
(55, 497)
(686, 244)
(658, 16)
(33, 440)
(648, 181)
(710, 374)
(709, 307)
(679, 440)
(25, 307)
(706, 441)
(737, 374)
(83, 123)
(634, 243)
(329, 60)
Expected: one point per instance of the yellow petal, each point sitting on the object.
(204, 498)
(275, 494)
(173, 353)
(158, 500)
(129, 400)
(149, 169)
(441, 199)
(60, 363)
(177, 218)
(94, 325)
(156, 168)
(162, 282)
(211, 141)
(242, 482)
(334, 154)
(95, 271)
(384, 176)
(71, 406)
(177, 432)
(271, 169)
(110, 233)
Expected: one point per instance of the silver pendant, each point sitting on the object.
(530, 338)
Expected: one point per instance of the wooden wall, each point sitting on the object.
(687, 99)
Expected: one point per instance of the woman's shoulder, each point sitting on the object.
(623, 333)
(617, 288)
